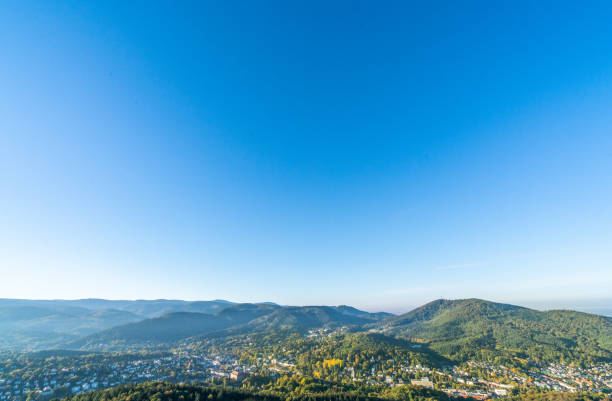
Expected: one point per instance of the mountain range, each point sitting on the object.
(455, 329)
(41, 324)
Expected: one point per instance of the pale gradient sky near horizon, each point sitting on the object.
(306, 152)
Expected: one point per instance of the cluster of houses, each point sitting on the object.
(457, 383)
(74, 380)
(482, 380)
(477, 380)
(567, 378)
(83, 375)
(468, 382)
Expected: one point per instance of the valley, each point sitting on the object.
(460, 349)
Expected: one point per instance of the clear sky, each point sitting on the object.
(374, 154)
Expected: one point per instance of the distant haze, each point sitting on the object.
(115, 324)
(597, 306)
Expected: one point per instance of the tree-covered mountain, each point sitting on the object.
(476, 329)
(38, 327)
(364, 352)
(238, 318)
(172, 327)
(142, 308)
(349, 310)
(302, 318)
(460, 330)
(40, 324)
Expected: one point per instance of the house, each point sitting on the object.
(238, 375)
(424, 382)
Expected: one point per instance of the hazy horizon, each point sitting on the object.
(600, 306)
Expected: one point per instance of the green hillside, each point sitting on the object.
(310, 317)
(459, 330)
(172, 327)
(235, 319)
(29, 327)
(42, 324)
(476, 329)
(364, 351)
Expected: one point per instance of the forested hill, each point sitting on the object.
(239, 318)
(476, 329)
(43, 324)
(173, 327)
(309, 317)
(457, 330)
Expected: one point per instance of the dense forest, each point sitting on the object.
(473, 329)
(181, 392)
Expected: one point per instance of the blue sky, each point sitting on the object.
(379, 155)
